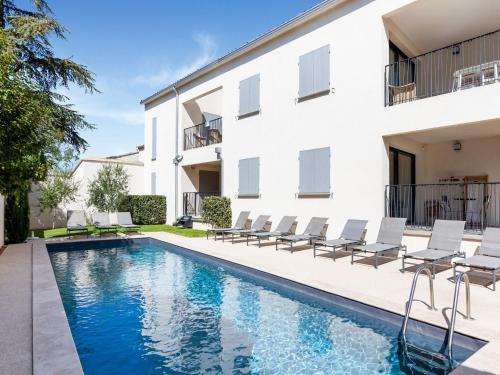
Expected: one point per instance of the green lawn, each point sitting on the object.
(61, 232)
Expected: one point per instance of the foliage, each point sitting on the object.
(145, 209)
(59, 188)
(17, 210)
(217, 211)
(61, 232)
(35, 120)
(108, 189)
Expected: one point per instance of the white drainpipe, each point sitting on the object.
(177, 158)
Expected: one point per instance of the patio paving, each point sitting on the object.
(15, 310)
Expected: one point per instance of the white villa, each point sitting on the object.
(303, 121)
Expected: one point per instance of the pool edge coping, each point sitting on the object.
(54, 350)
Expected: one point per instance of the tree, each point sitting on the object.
(109, 188)
(59, 188)
(36, 121)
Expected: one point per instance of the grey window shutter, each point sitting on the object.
(250, 95)
(153, 183)
(249, 177)
(322, 69)
(314, 171)
(314, 72)
(153, 139)
(306, 75)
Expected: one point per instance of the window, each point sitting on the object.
(314, 174)
(314, 72)
(249, 178)
(250, 96)
(153, 139)
(153, 183)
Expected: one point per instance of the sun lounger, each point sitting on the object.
(315, 230)
(353, 234)
(389, 240)
(125, 222)
(285, 227)
(261, 224)
(487, 256)
(77, 222)
(101, 223)
(443, 246)
(241, 223)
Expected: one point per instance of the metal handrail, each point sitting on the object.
(458, 278)
(422, 268)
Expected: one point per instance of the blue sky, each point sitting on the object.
(136, 48)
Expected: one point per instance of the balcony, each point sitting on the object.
(192, 202)
(205, 134)
(464, 65)
(475, 203)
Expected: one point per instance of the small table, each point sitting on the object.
(477, 75)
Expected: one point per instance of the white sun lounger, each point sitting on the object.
(241, 223)
(353, 234)
(487, 257)
(315, 230)
(444, 244)
(389, 240)
(261, 224)
(285, 227)
(102, 223)
(125, 222)
(77, 222)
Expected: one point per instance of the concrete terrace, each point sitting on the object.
(386, 288)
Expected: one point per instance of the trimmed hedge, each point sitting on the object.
(145, 209)
(216, 211)
(17, 214)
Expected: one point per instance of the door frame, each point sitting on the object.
(396, 210)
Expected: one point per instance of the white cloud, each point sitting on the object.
(207, 49)
(123, 116)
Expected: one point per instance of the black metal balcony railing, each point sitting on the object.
(205, 134)
(193, 202)
(471, 63)
(475, 203)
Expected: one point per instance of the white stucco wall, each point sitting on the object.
(352, 120)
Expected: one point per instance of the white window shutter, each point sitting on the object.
(153, 139)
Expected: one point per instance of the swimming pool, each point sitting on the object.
(147, 307)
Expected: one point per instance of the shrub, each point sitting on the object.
(217, 211)
(17, 212)
(108, 188)
(145, 209)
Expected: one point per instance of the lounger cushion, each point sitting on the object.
(297, 237)
(480, 261)
(376, 247)
(267, 234)
(104, 227)
(77, 227)
(130, 226)
(430, 254)
(337, 242)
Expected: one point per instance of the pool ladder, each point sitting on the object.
(459, 276)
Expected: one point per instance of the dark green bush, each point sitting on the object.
(145, 209)
(216, 211)
(17, 217)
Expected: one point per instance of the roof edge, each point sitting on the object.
(247, 47)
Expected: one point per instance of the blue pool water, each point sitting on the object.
(149, 308)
